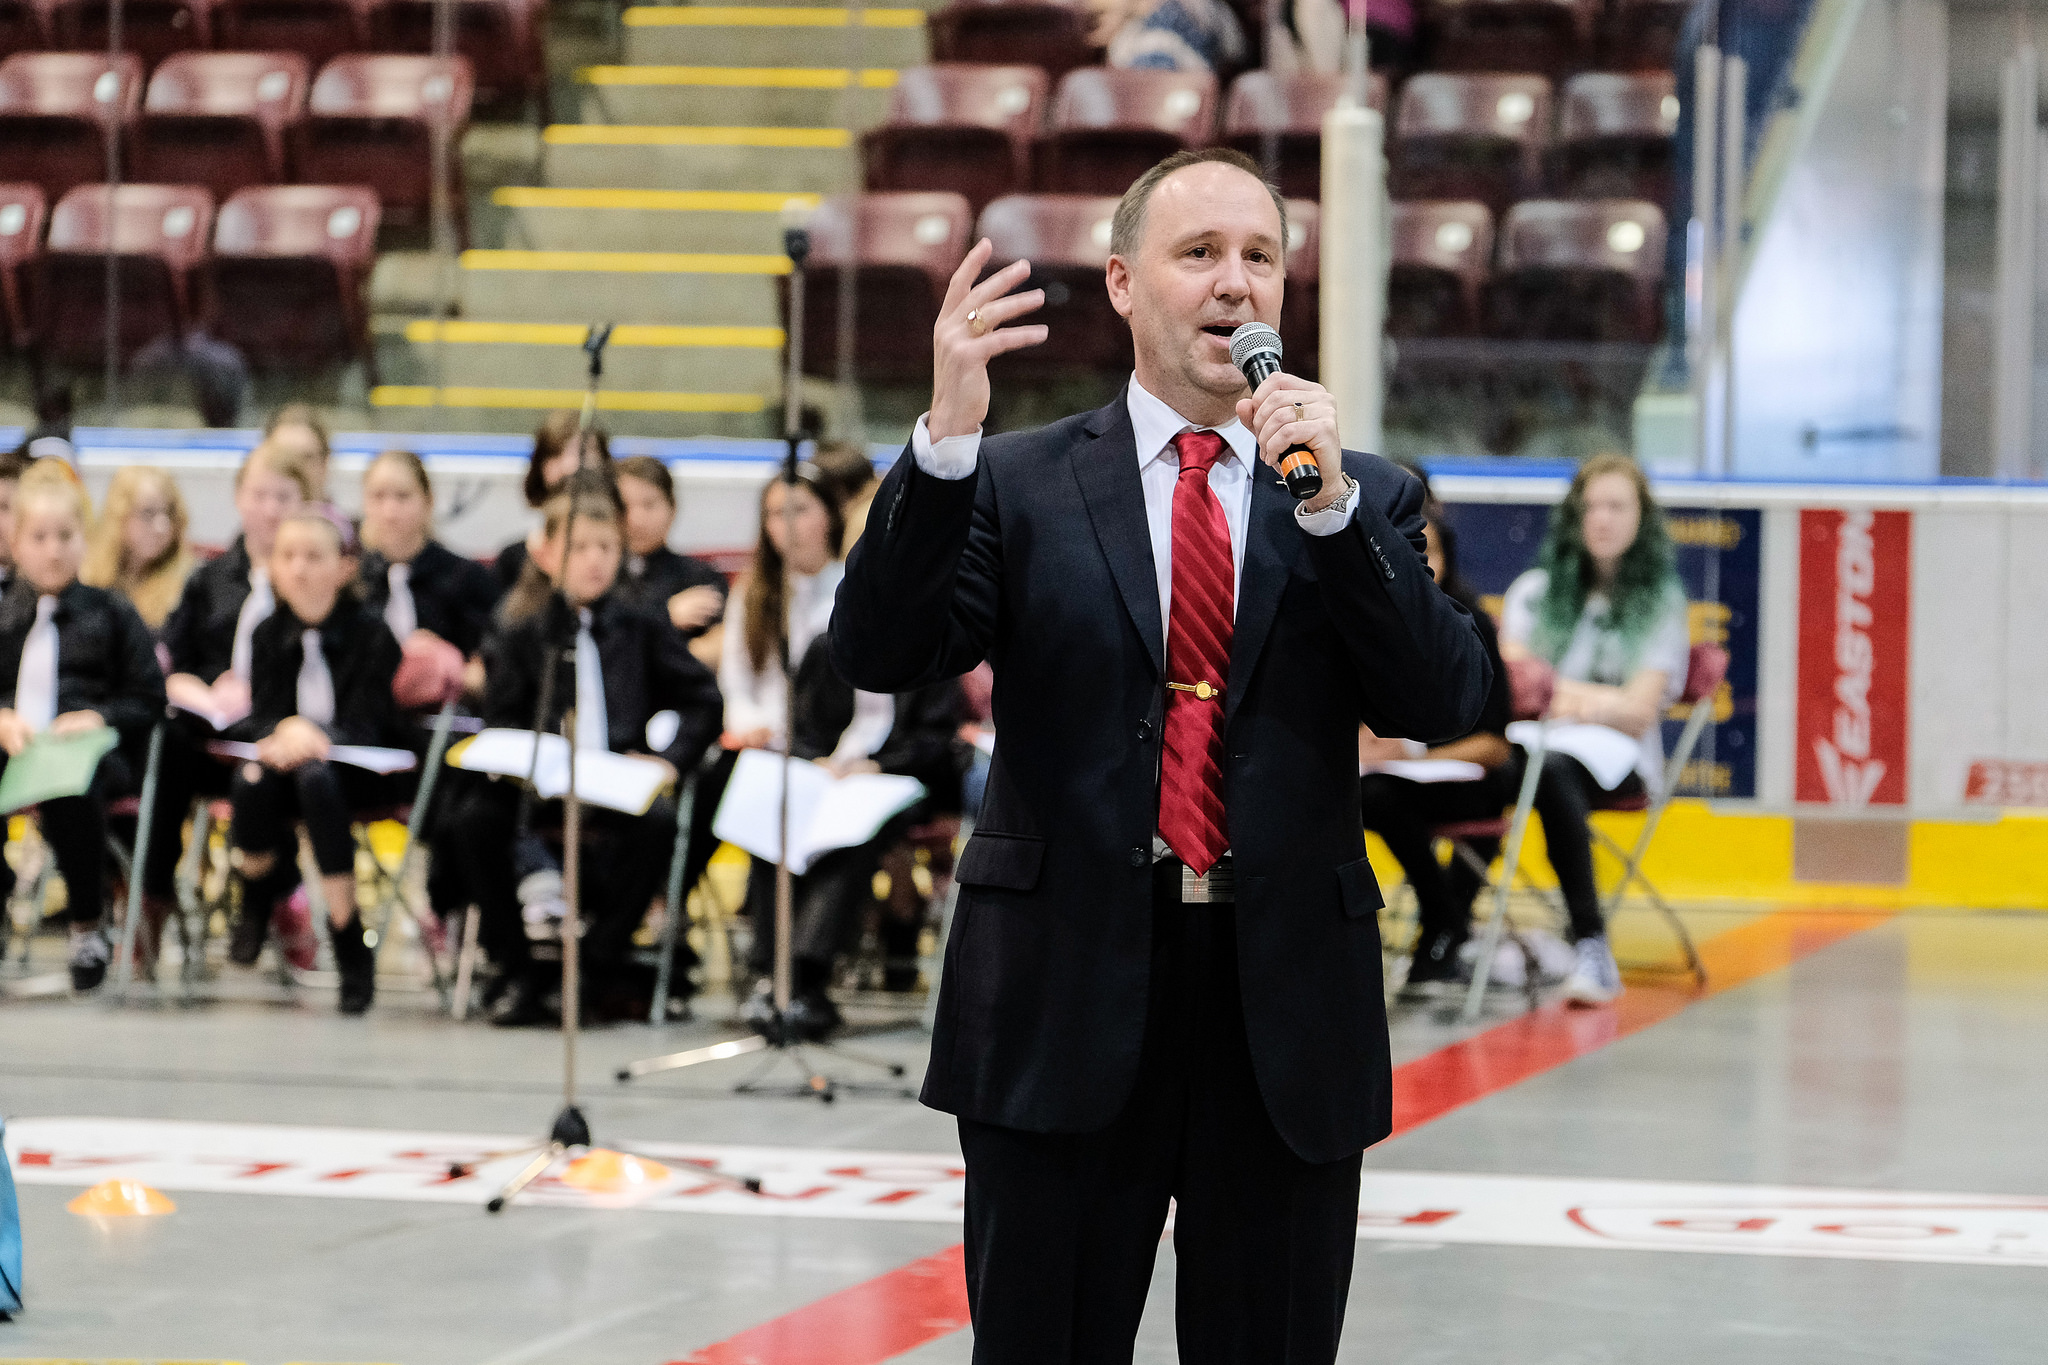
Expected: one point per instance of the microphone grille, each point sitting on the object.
(1250, 339)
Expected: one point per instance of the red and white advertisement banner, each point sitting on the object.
(2006, 782)
(1855, 584)
(1433, 1207)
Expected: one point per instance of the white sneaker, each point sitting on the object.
(1595, 980)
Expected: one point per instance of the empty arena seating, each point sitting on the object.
(1438, 261)
(1578, 271)
(1044, 33)
(289, 273)
(1548, 36)
(1470, 137)
(1642, 35)
(1300, 321)
(150, 29)
(318, 30)
(55, 108)
(1106, 127)
(1282, 116)
(1066, 239)
(501, 39)
(1614, 137)
(24, 26)
(902, 248)
(22, 209)
(160, 233)
(960, 126)
(373, 120)
(220, 119)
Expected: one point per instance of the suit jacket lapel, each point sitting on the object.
(1271, 544)
(1106, 467)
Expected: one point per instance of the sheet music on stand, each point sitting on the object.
(825, 812)
(620, 782)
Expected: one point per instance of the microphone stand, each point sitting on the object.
(570, 1131)
(773, 1034)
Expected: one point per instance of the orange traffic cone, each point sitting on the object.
(606, 1172)
(121, 1199)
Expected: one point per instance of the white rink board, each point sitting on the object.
(1394, 1206)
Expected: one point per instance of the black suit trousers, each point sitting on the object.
(1063, 1229)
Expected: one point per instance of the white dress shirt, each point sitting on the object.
(1154, 424)
(755, 701)
(35, 685)
(314, 695)
(256, 609)
(401, 613)
(593, 724)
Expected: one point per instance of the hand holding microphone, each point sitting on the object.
(1294, 420)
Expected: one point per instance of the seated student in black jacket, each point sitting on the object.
(1403, 812)
(417, 584)
(556, 455)
(74, 659)
(689, 592)
(633, 667)
(320, 674)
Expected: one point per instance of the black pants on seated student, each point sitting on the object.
(1566, 796)
(75, 828)
(270, 804)
(1405, 814)
(624, 867)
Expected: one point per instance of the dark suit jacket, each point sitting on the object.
(1042, 564)
(451, 595)
(106, 657)
(362, 658)
(647, 668)
(199, 633)
(661, 576)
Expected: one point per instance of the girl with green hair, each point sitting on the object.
(1604, 607)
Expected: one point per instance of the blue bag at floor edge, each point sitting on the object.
(10, 1237)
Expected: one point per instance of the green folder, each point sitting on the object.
(54, 766)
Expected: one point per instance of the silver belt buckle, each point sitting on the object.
(1217, 886)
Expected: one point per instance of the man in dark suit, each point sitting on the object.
(1163, 980)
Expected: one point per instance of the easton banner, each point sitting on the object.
(1855, 584)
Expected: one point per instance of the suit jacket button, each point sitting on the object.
(1138, 858)
(1144, 729)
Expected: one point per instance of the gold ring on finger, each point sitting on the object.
(1299, 415)
(977, 324)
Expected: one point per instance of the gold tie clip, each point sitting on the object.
(1202, 690)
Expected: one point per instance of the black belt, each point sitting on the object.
(1217, 886)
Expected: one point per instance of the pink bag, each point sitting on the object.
(429, 674)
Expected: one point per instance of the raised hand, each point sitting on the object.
(1287, 412)
(970, 333)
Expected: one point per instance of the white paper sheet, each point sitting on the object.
(367, 756)
(1427, 769)
(1607, 753)
(621, 782)
(825, 813)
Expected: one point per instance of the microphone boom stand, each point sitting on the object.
(774, 1034)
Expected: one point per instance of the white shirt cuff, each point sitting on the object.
(952, 458)
(1330, 520)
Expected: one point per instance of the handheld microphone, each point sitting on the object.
(1255, 349)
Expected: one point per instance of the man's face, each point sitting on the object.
(1209, 259)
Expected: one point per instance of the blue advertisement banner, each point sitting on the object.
(1720, 562)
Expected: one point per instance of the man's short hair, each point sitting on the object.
(1129, 222)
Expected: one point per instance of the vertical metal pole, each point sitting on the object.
(1734, 137)
(440, 208)
(572, 896)
(1704, 285)
(2019, 177)
(848, 398)
(792, 428)
(113, 278)
(1354, 265)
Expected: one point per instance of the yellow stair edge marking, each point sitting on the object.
(683, 201)
(611, 400)
(765, 16)
(676, 135)
(573, 334)
(721, 77)
(630, 262)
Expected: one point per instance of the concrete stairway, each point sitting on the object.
(659, 211)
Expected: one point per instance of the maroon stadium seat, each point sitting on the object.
(151, 29)
(55, 108)
(291, 264)
(501, 38)
(372, 120)
(958, 126)
(22, 210)
(1300, 312)
(1554, 37)
(1066, 239)
(1470, 137)
(1108, 127)
(1614, 137)
(318, 30)
(1046, 33)
(1642, 35)
(1578, 270)
(1437, 265)
(24, 26)
(902, 247)
(161, 234)
(220, 119)
(1284, 114)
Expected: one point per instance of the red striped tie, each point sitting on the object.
(1197, 661)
